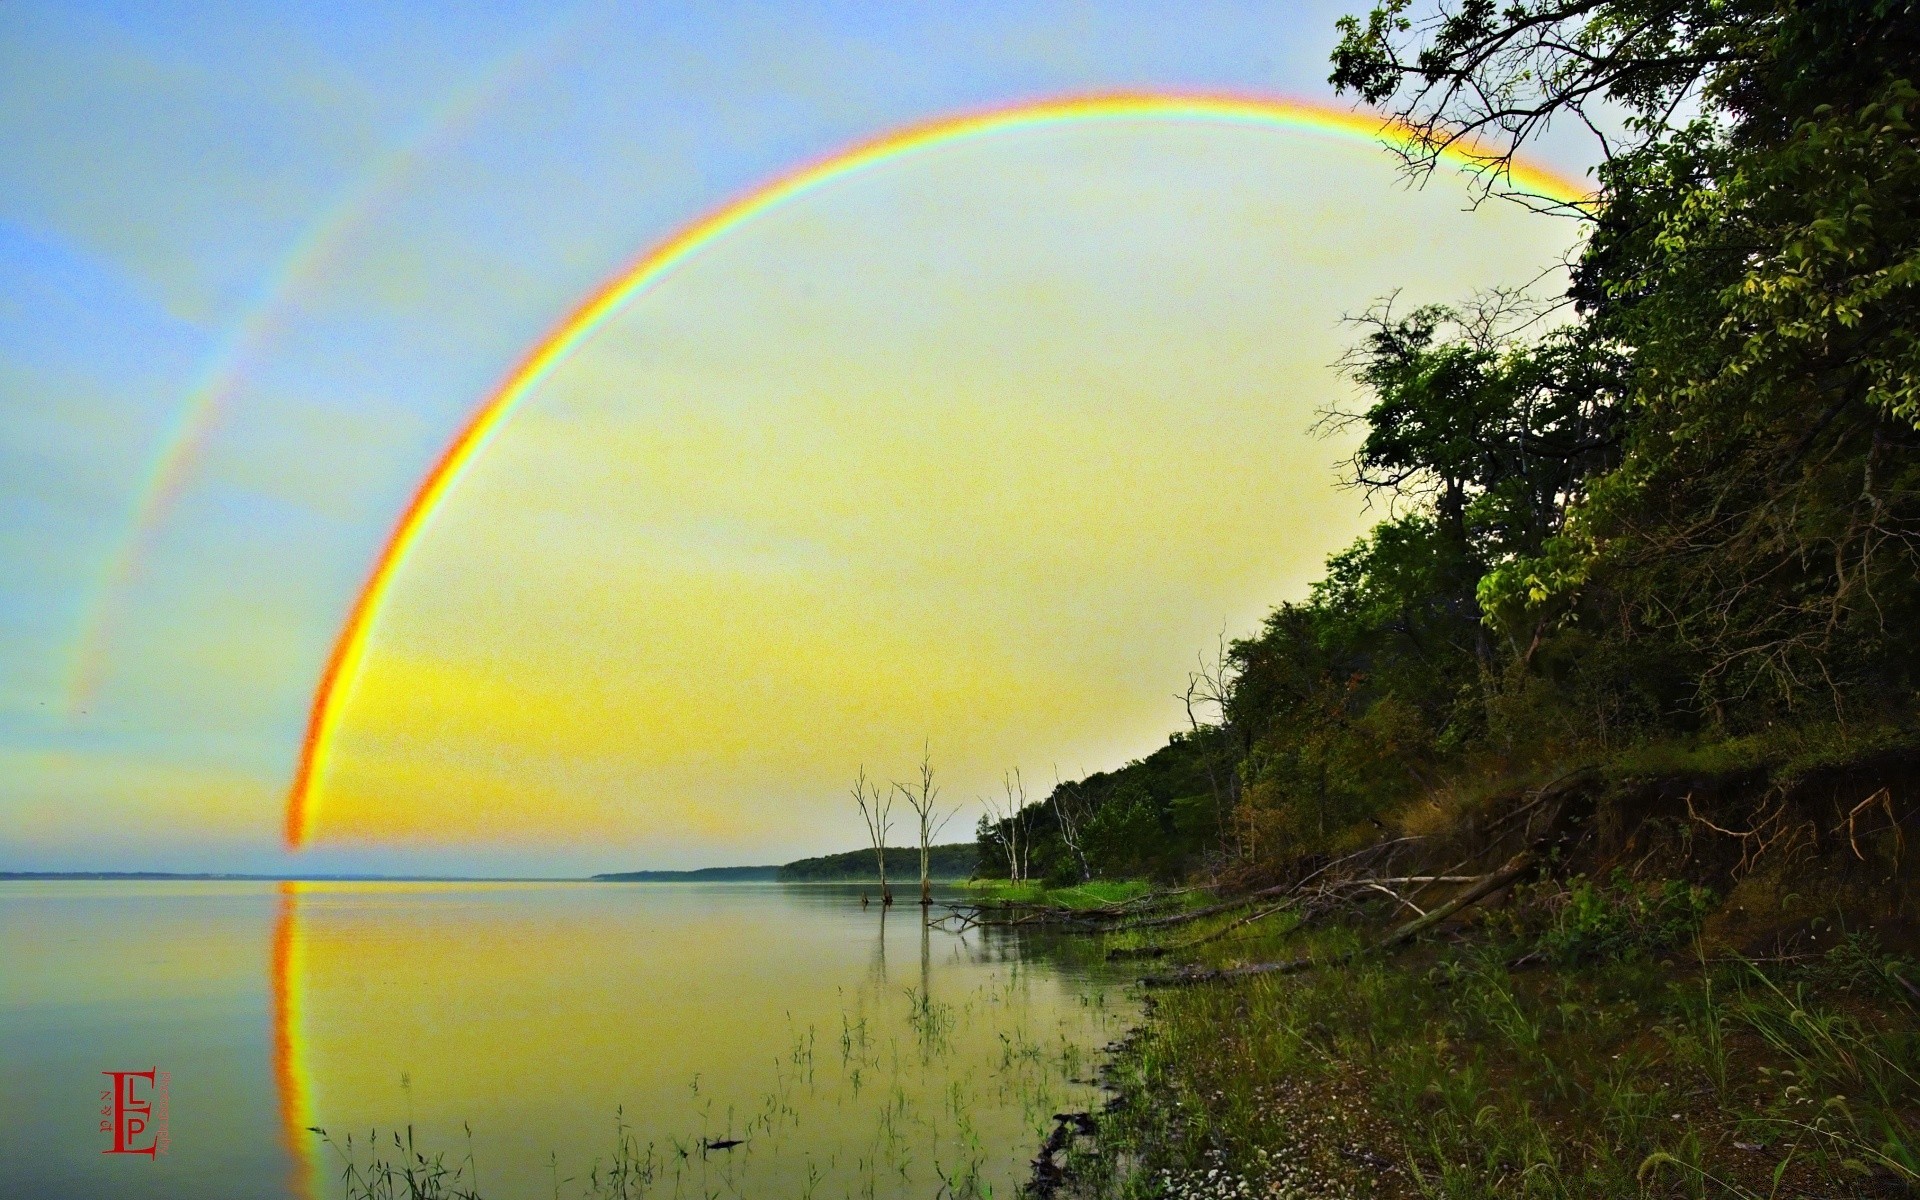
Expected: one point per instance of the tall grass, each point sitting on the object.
(1451, 1075)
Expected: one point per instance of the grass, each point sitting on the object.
(1788, 750)
(1446, 1073)
(1101, 893)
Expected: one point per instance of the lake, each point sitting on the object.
(546, 1038)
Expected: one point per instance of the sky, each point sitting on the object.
(975, 450)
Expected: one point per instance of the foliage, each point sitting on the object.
(1156, 817)
(1362, 696)
(1585, 921)
(957, 860)
(1680, 508)
(1763, 521)
(1100, 893)
(1486, 78)
(1670, 526)
(1858, 964)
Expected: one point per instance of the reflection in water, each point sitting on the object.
(694, 1015)
(130, 975)
(294, 1118)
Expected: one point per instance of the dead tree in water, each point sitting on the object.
(876, 809)
(922, 798)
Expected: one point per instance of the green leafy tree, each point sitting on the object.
(1753, 260)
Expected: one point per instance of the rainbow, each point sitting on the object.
(267, 313)
(350, 649)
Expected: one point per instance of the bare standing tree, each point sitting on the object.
(1210, 686)
(876, 809)
(922, 799)
(1006, 815)
(1069, 812)
(990, 827)
(1019, 822)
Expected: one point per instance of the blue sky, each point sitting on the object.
(471, 171)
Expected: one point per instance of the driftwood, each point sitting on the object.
(1515, 867)
(1483, 887)
(1556, 790)
(1099, 919)
(1286, 967)
(1156, 951)
(1327, 896)
(972, 916)
(1122, 908)
(1251, 898)
(1195, 914)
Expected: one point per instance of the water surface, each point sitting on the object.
(537, 1034)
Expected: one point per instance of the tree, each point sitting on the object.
(876, 809)
(1208, 686)
(988, 835)
(1021, 819)
(1766, 514)
(1013, 817)
(1493, 438)
(1754, 261)
(1069, 815)
(1483, 79)
(922, 799)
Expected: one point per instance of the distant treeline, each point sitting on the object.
(956, 861)
(231, 877)
(951, 862)
(698, 875)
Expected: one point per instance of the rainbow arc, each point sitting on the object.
(349, 651)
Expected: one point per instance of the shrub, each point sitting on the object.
(1622, 919)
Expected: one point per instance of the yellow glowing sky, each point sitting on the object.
(979, 448)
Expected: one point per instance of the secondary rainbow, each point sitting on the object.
(273, 307)
(350, 648)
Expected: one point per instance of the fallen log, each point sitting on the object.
(1250, 898)
(1157, 951)
(1285, 967)
(1126, 952)
(972, 917)
(1195, 914)
(1513, 869)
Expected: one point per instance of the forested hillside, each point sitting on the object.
(1557, 839)
(1663, 527)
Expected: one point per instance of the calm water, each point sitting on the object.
(853, 1057)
